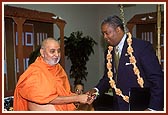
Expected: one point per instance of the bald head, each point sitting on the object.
(47, 41)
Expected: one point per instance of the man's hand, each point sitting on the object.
(82, 98)
(91, 95)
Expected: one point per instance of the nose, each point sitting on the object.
(105, 36)
(56, 53)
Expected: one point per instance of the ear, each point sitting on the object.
(42, 52)
(118, 29)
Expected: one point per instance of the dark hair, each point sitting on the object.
(33, 55)
(114, 21)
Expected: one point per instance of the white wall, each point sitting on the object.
(87, 18)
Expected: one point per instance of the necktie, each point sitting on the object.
(116, 60)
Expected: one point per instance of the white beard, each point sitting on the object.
(53, 62)
(58, 60)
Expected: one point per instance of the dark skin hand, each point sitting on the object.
(91, 95)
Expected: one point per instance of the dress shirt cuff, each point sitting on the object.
(97, 92)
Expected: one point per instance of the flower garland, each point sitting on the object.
(132, 61)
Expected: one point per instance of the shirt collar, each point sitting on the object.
(121, 44)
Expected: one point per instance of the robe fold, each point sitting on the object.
(41, 83)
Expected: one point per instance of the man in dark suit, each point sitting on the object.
(124, 76)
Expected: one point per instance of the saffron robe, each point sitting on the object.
(41, 83)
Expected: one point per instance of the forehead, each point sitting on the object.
(106, 27)
(79, 86)
(52, 44)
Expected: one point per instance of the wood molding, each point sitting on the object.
(10, 11)
(145, 18)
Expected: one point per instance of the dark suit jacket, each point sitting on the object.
(150, 70)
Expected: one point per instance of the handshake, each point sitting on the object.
(88, 97)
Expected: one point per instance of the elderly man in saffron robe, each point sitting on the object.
(44, 86)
